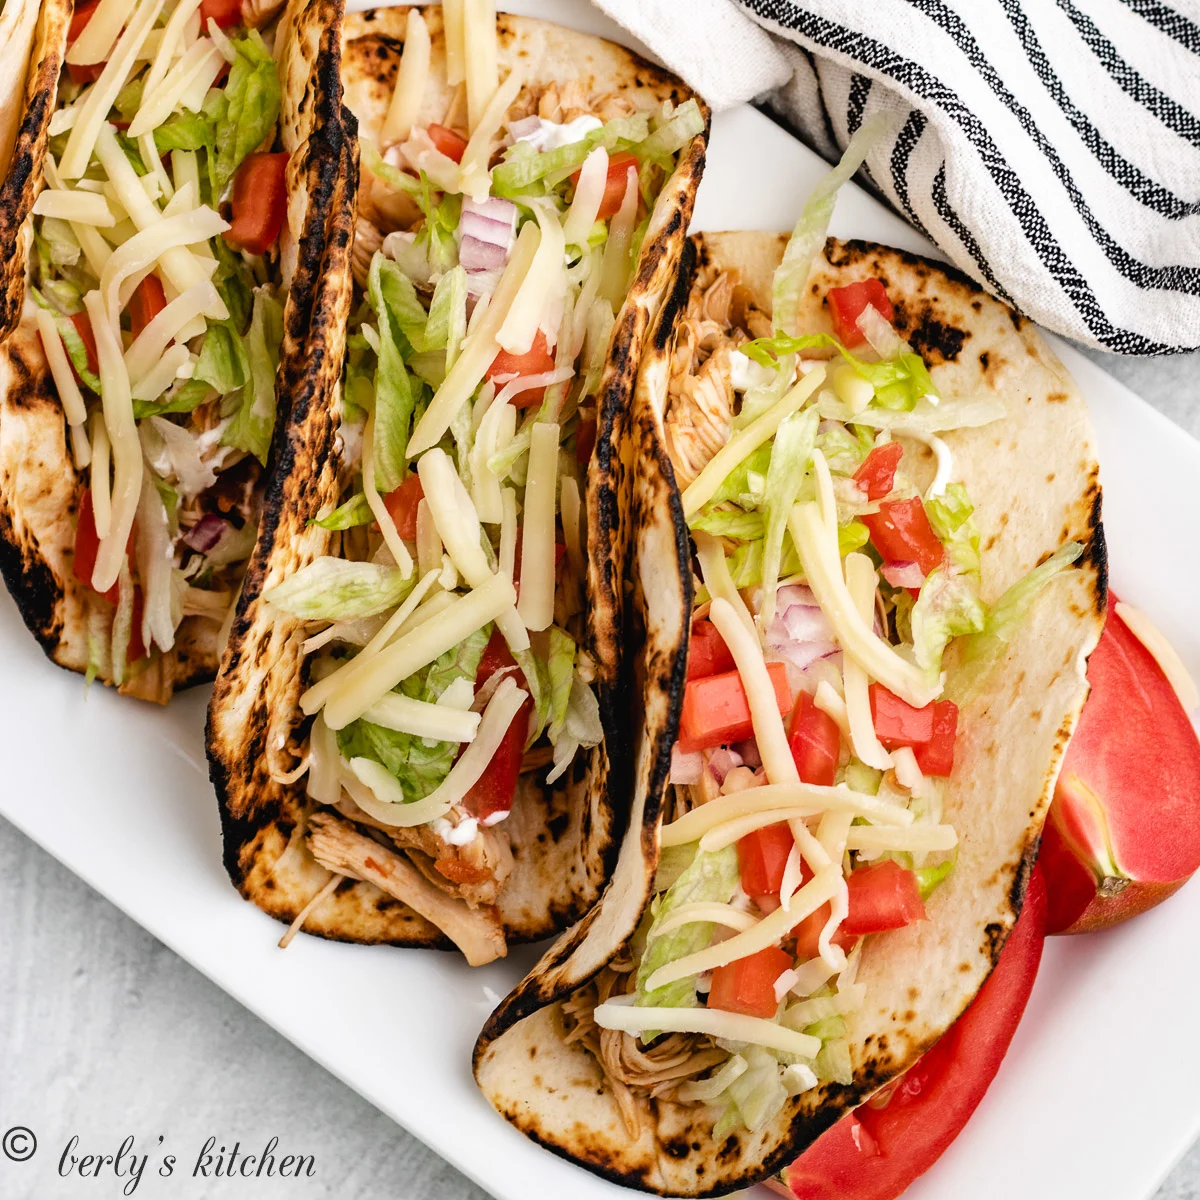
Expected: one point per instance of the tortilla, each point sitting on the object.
(564, 838)
(40, 488)
(1035, 484)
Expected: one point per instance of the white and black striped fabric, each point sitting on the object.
(1051, 148)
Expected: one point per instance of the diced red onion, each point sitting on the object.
(473, 224)
(686, 768)
(482, 283)
(206, 533)
(476, 255)
(749, 752)
(500, 212)
(799, 633)
(903, 574)
(722, 761)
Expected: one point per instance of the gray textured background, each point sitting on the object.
(103, 1031)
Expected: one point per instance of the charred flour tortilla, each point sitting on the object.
(563, 837)
(1034, 482)
(40, 487)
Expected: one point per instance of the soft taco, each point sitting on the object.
(871, 571)
(163, 218)
(418, 735)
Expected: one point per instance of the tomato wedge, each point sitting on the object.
(877, 475)
(877, 1151)
(224, 12)
(258, 202)
(147, 301)
(716, 711)
(847, 303)
(493, 792)
(901, 532)
(815, 741)
(896, 722)
(402, 504)
(537, 360)
(882, 896)
(762, 856)
(748, 984)
(451, 144)
(619, 165)
(707, 652)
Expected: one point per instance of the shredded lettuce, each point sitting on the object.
(708, 877)
(243, 112)
(77, 352)
(253, 422)
(223, 363)
(790, 455)
(861, 778)
(186, 396)
(561, 668)
(672, 134)
(808, 237)
(336, 589)
(581, 726)
(755, 1096)
(746, 484)
(446, 325)
(854, 535)
(1007, 614)
(950, 516)
(672, 862)
(184, 131)
(729, 523)
(928, 878)
(355, 511)
(234, 283)
(947, 607)
(418, 764)
(395, 390)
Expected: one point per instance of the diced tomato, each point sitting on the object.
(451, 144)
(224, 12)
(147, 301)
(537, 360)
(87, 543)
(883, 896)
(85, 72)
(402, 503)
(707, 652)
(748, 984)
(877, 1151)
(716, 711)
(619, 165)
(80, 17)
(877, 475)
(762, 856)
(815, 741)
(83, 327)
(496, 788)
(901, 532)
(585, 440)
(496, 656)
(258, 202)
(897, 723)
(846, 303)
(936, 757)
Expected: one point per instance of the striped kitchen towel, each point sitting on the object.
(1051, 148)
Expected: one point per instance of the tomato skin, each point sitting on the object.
(747, 985)
(896, 722)
(258, 202)
(877, 1151)
(762, 856)
(147, 301)
(614, 185)
(449, 143)
(87, 543)
(815, 741)
(882, 896)
(585, 440)
(936, 757)
(83, 326)
(716, 711)
(402, 504)
(496, 788)
(496, 656)
(901, 532)
(224, 12)
(81, 15)
(846, 303)
(707, 652)
(877, 475)
(537, 360)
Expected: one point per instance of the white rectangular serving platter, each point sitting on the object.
(1097, 1096)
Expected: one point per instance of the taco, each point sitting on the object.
(417, 735)
(871, 571)
(158, 289)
